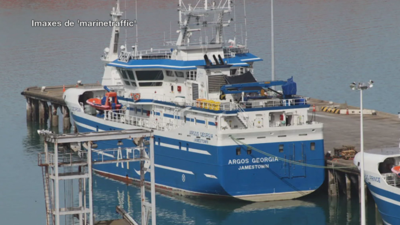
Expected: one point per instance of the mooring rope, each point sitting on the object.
(288, 160)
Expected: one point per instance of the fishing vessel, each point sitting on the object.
(218, 131)
(381, 173)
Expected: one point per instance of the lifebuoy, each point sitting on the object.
(136, 96)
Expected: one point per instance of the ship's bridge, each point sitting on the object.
(168, 78)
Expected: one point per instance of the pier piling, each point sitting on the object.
(349, 211)
(54, 115)
(359, 190)
(348, 186)
(28, 109)
(35, 110)
(66, 121)
(43, 112)
(332, 183)
(333, 202)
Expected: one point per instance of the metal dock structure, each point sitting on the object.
(61, 166)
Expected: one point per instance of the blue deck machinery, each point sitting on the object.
(289, 89)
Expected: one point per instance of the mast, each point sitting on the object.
(189, 13)
(111, 53)
(272, 43)
(110, 75)
(245, 22)
(136, 31)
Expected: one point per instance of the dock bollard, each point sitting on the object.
(399, 114)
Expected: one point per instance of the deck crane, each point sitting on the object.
(289, 88)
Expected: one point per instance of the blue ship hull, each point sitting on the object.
(222, 172)
(388, 204)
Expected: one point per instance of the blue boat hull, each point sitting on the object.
(388, 204)
(222, 172)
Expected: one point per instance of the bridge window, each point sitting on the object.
(180, 74)
(191, 75)
(169, 73)
(122, 72)
(150, 75)
(146, 84)
(127, 82)
(241, 69)
(312, 146)
(130, 74)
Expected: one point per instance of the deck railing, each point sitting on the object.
(120, 116)
(145, 54)
(229, 106)
(391, 179)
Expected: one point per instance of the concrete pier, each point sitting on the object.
(380, 130)
(42, 104)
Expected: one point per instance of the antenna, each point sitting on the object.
(245, 22)
(136, 31)
(180, 12)
(234, 18)
(272, 42)
(241, 32)
(126, 27)
(170, 32)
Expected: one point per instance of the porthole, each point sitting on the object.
(238, 152)
(312, 146)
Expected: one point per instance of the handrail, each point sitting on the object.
(63, 158)
(120, 116)
(230, 106)
(243, 116)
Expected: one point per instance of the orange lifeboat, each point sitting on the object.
(110, 101)
(396, 170)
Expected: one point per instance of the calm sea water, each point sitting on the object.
(324, 44)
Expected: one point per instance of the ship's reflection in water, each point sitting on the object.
(182, 210)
